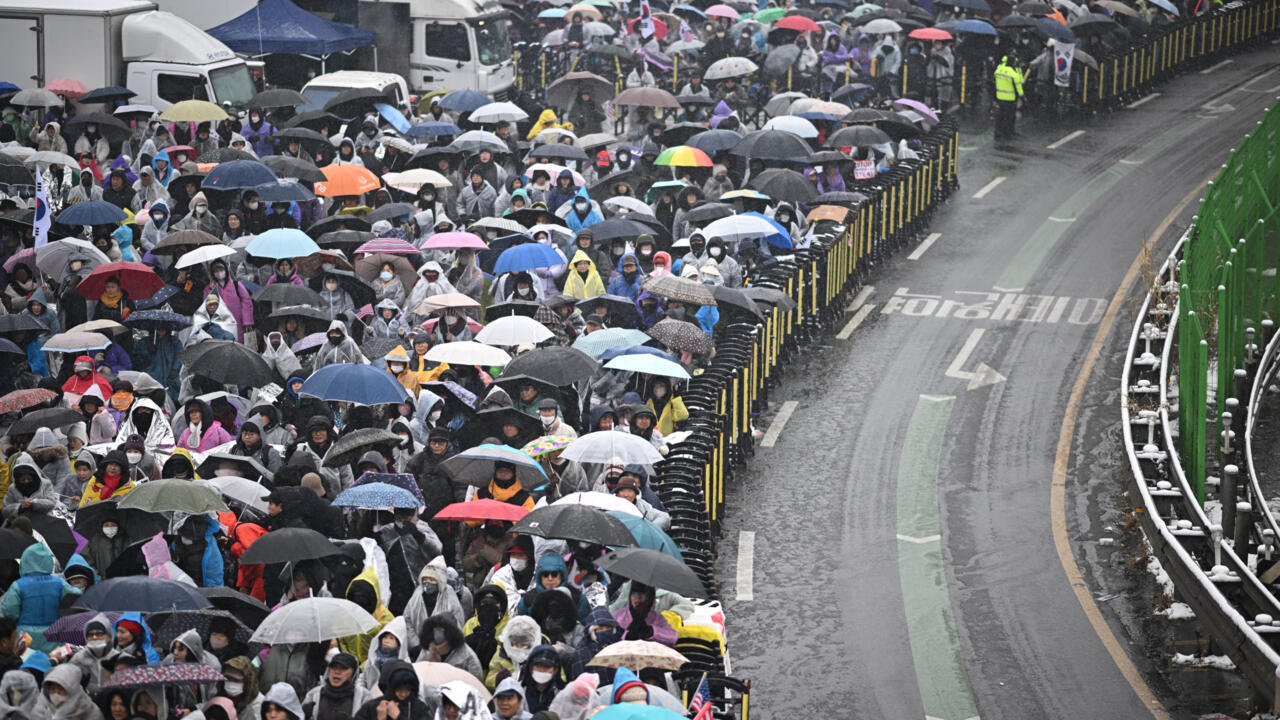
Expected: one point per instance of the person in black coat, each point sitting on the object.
(399, 685)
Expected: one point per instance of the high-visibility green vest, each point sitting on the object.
(1008, 82)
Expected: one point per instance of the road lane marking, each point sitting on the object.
(989, 187)
(745, 589)
(779, 422)
(983, 375)
(931, 626)
(1024, 264)
(928, 243)
(1222, 64)
(1061, 220)
(1065, 140)
(1143, 101)
(861, 297)
(853, 324)
(1002, 305)
(1062, 459)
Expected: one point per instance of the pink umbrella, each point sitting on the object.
(389, 245)
(453, 241)
(66, 87)
(723, 11)
(430, 324)
(918, 107)
(26, 256)
(554, 171)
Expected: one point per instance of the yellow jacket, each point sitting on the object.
(1008, 82)
(547, 120)
(674, 412)
(577, 287)
(408, 378)
(358, 645)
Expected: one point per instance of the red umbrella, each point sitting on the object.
(659, 27)
(23, 399)
(484, 509)
(929, 33)
(139, 280)
(66, 87)
(798, 23)
(389, 245)
(173, 150)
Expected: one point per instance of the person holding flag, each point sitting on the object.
(700, 706)
(41, 220)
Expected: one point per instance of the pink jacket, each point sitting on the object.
(212, 438)
(662, 631)
(239, 303)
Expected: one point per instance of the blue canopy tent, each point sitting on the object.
(279, 26)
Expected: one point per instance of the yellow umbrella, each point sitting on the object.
(194, 111)
(424, 105)
(588, 11)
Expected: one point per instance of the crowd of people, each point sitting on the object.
(402, 333)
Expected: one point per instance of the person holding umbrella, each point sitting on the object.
(505, 487)
(640, 621)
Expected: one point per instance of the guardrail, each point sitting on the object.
(1212, 296)
(813, 288)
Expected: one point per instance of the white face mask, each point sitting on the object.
(56, 699)
(220, 274)
(434, 415)
(234, 689)
(547, 420)
(202, 209)
(519, 655)
(133, 457)
(217, 643)
(253, 205)
(397, 368)
(96, 646)
(384, 276)
(110, 531)
(715, 252)
(541, 676)
(519, 563)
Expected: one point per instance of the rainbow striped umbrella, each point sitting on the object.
(683, 156)
(389, 245)
(547, 444)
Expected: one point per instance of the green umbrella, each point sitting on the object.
(769, 16)
(173, 495)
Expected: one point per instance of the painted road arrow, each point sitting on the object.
(981, 377)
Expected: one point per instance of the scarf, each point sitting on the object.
(110, 482)
(193, 437)
(111, 300)
(335, 702)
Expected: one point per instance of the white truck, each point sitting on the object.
(461, 44)
(158, 55)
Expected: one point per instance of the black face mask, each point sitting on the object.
(334, 339)
(489, 615)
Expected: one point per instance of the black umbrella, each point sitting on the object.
(136, 524)
(714, 141)
(780, 60)
(248, 608)
(840, 198)
(559, 151)
(707, 212)
(827, 157)
(108, 94)
(771, 296)
(488, 423)
(390, 211)
(8, 348)
(865, 116)
(575, 522)
(299, 311)
(512, 383)
(361, 293)
(225, 154)
(244, 466)
(736, 298)
(288, 545)
(350, 446)
(111, 127)
(1055, 29)
(277, 98)
(603, 188)
(19, 323)
(14, 174)
(786, 185)
(1034, 8)
(618, 228)
(57, 417)
(232, 363)
(527, 308)
(771, 145)
(1093, 22)
(167, 626)
(284, 190)
(13, 542)
(858, 136)
(528, 217)
(338, 223)
(301, 134)
(140, 593)
(288, 294)
(426, 157)
(622, 311)
(1016, 21)
(653, 568)
(313, 119)
(285, 166)
(354, 102)
(680, 133)
(57, 535)
(558, 365)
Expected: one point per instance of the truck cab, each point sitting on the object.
(320, 89)
(170, 60)
(461, 44)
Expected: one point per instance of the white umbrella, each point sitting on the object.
(598, 29)
(780, 104)
(551, 135)
(398, 143)
(603, 501)
(52, 157)
(739, 227)
(104, 326)
(610, 446)
(514, 330)
(881, 26)
(444, 301)
(476, 140)
(792, 124)
(246, 492)
(413, 180)
(313, 620)
(648, 364)
(76, 342)
(496, 112)
(203, 254)
(555, 232)
(52, 258)
(499, 224)
(628, 203)
(467, 352)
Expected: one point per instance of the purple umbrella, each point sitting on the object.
(162, 674)
(70, 628)
(310, 342)
(918, 106)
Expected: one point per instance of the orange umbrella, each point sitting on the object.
(346, 180)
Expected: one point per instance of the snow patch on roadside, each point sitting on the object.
(1178, 611)
(1219, 662)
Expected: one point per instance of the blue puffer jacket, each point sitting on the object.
(620, 286)
(34, 599)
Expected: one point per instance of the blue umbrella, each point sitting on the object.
(648, 535)
(359, 384)
(602, 341)
(400, 480)
(10, 348)
(140, 593)
(1166, 5)
(92, 212)
(282, 243)
(238, 175)
(284, 190)
(161, 297)
(433, 128)
(375, 496)
(648, 364)
(780, 239)
(464, 100)
(977, 27)
(614, 352)
(1055, 29)
(526, 257)
(156, 319)
(8, 88)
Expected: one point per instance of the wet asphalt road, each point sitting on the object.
(859, 609)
